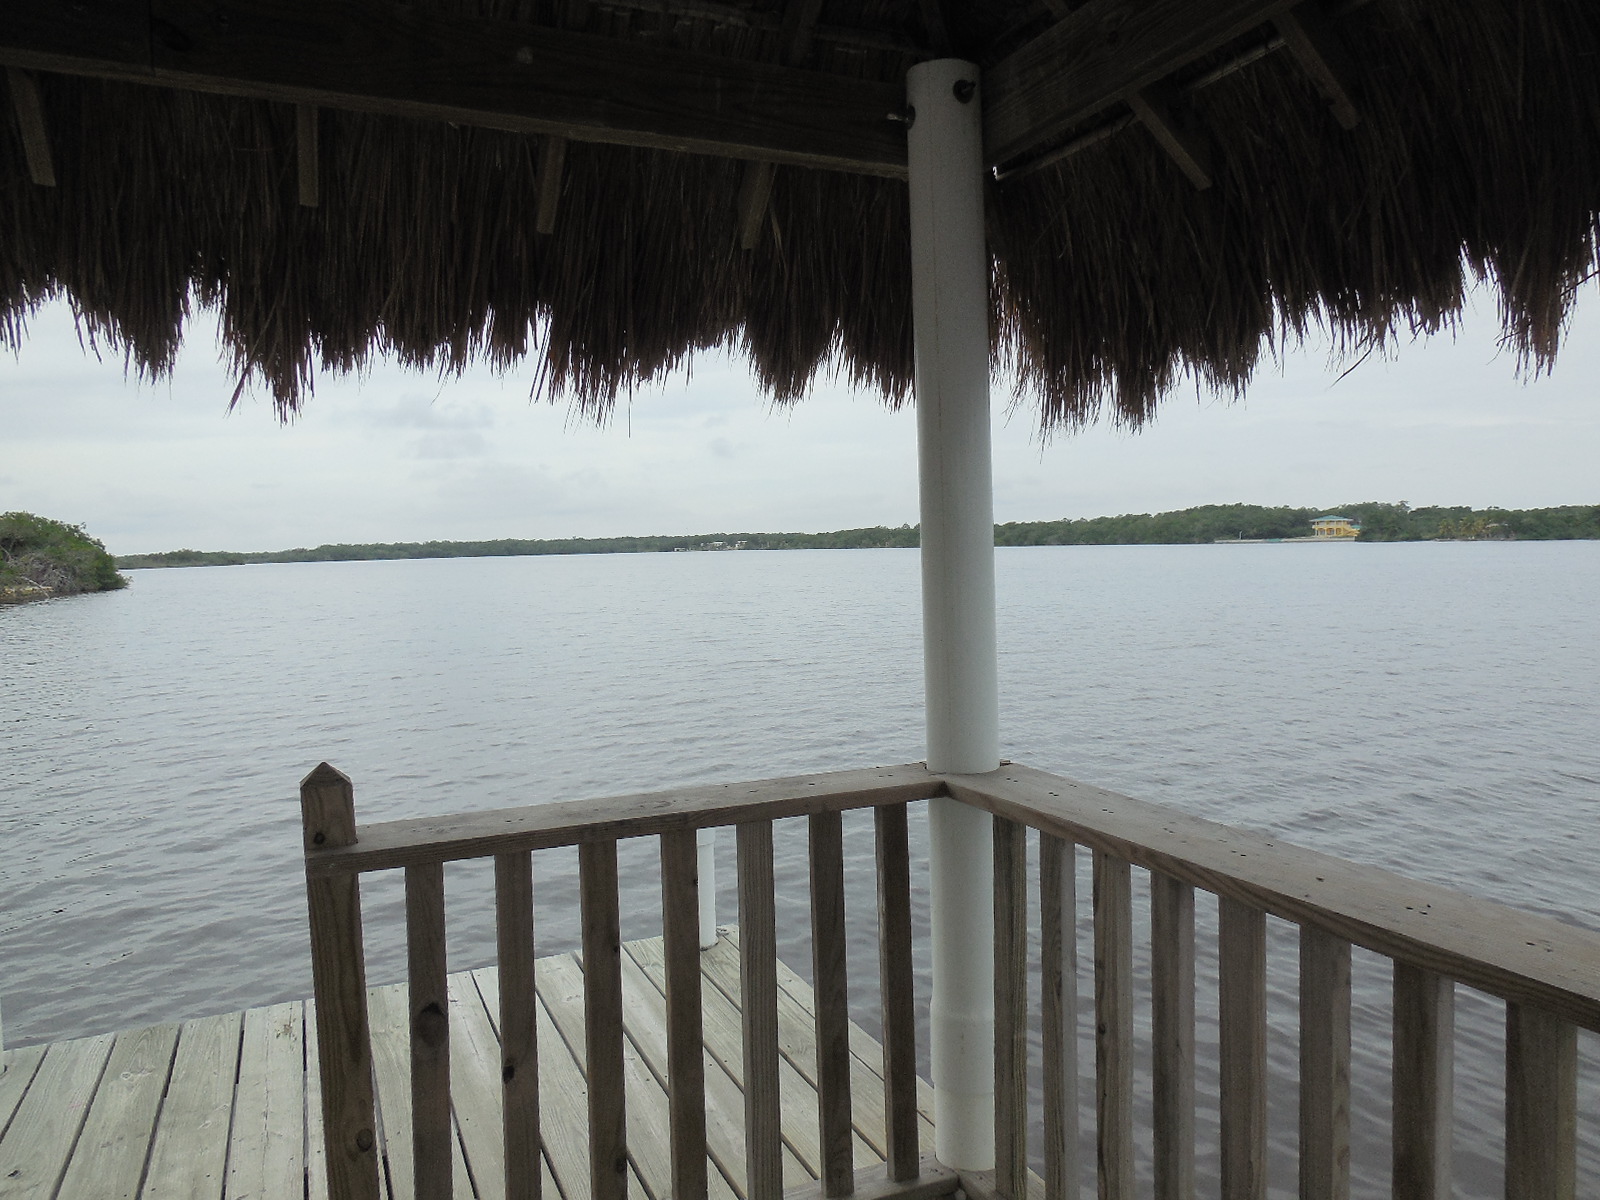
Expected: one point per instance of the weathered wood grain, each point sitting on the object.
(519, 1045)
(686, 1082)
(828, 959)
(111, 1149)
(190, 1151)
(1324, 1066)
(1541, 1106)
(1242, 1036)
(797, 1043)
(1424, 1082)
(431, 1132)
(534, 827)
(1113, 1007)
(1058, 1014)
(1011, 1008)
(339, 982)
(897, 992)
(17, 1069)
(1172, 1036)
(35, 1148)
(602, 1014)
(758, 960)
(1515, 955)
(266, 1145)
(1094, 58)
(797, 1093)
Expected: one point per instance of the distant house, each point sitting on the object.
(1334, 527)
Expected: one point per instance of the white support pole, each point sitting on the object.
(950, 307)
(705, 841)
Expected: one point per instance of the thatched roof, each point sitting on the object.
(1472, 153)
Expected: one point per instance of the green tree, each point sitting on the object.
(38, 553)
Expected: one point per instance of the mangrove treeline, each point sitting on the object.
(1208, 523)
(40, 557)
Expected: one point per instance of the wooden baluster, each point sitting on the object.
(1058, 988)
(1172, 1035)
(1113, 1007)
(832, 1001)
(1324, 1065)
(1424, 1080)
(897, 985)
(429, 1001)
(1541, 1105)
(602, 1013)
(1010, 1009)
(1242, 961)
(758, 989)
(519, 1043)
(686, 1081)
(339, 981)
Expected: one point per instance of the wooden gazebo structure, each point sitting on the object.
(1108, 197)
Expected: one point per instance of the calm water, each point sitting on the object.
(1429, 708)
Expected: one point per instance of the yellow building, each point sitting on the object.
(1335, 527)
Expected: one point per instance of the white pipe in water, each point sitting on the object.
(950, 308)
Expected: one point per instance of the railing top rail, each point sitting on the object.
(1516, 955)
(389, 844)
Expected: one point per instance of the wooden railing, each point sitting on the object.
(337, 853)
(1548, 972)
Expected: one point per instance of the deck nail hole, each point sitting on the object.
(318, 838)
(364, 1140)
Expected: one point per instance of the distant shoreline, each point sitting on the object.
(1204, 525)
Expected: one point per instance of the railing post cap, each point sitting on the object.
(323, 774)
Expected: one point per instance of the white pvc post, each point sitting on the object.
(705, 844)
(950, 307)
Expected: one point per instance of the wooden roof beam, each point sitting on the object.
(1101, 55)
(30, 122)
(1181, 143)
(1316, 47)
(399, 60)
(755, 189)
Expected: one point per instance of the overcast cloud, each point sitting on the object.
(401, 456)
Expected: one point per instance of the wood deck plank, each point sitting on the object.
(17, 1069)
(116, 1137)
(266, 1146)
(563, 1111)
(40, 1140)
(649, 1114)
(797, 1040)
(471, 1063)
(647, 1030)
(797, 1092)
(190, 1152)
(237, 1122)
(316, 1151)
(389, 1018)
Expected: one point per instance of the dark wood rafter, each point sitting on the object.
(1309, 36)
(30, 122)
(306, 123)
(1182, 144)
(1100, 55)
(755, 189)
(494, 74)
(552, 167)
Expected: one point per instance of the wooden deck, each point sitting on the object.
(225, 1108)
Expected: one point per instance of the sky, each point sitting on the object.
(407, 456)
